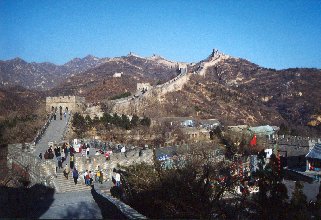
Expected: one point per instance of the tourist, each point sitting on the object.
(40, 156)
(97, 176)
(107, 155)
(71, 162)
(63, 157)
(59, 162)
(87, 152)
(66, 171)
(75, 175)
(85, 176)
(50, 149)
(46, 155)
(97, 153)
(56, 151)
(100, 180)
(90, 177)
(72, 151)
(117, 179)
(59, 151)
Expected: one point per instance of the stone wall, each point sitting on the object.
(116, 208)
(131, 105)
(73, 103)
(42, 130)
(40, 171)
(116, 159)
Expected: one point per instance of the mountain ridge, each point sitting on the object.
(262, 95)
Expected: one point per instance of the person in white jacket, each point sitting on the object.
(117, 179)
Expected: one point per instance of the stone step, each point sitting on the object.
(67, 185)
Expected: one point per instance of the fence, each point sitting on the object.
(42, 130)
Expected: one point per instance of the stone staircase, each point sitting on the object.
(67, 185)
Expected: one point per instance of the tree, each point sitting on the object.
(135, 120)
(107, 119)
(95, 121)
(192, 188)
(298, 204)
(116, 120)
(145, 122)
(272, 197)
(79, 124)
(125, 123)
(89, 122)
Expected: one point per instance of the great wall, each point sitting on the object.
(23, 160)
(130, 105)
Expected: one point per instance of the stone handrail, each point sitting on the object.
(42, 130)
(40, 171)
(67, 126)
(125, 209)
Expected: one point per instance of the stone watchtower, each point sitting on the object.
(67, 103)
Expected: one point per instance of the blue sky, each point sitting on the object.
(275, 34)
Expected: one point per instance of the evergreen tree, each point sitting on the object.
(116, 120)
(88, 121)
(135, 120)
(145, 121)
(272, 197)
(298, 204)
(125, 123)
(79, 124)
(95, 121)
(107, 119)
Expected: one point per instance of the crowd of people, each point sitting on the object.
(62, 152)
(90, 176)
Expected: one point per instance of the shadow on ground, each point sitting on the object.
(25, 202)
(80, 211)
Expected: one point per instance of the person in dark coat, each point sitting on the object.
(60, 163)
(75, 175)
(72, 162)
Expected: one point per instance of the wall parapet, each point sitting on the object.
(40, 171)
(125, 209)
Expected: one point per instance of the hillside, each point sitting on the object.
(294, 93)
(21, 114)
(42, 76)
(98, 83)
(237, 91)
(233, 90)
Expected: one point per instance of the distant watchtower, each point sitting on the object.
(66, 103)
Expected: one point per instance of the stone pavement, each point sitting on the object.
(54, 133)
(71, 205)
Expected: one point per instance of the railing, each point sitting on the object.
(67, 126)
(40, 171)
(42, 130)
(123, 210)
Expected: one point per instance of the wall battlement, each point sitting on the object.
(68, 103)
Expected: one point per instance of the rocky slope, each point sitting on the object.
(237, 91)
(232, 90)
(21, 114)
(42, 76)
(98, 83)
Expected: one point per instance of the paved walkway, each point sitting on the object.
(70, 201)
(71, 205)
(53, 133)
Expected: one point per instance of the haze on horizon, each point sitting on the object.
(273, 34)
